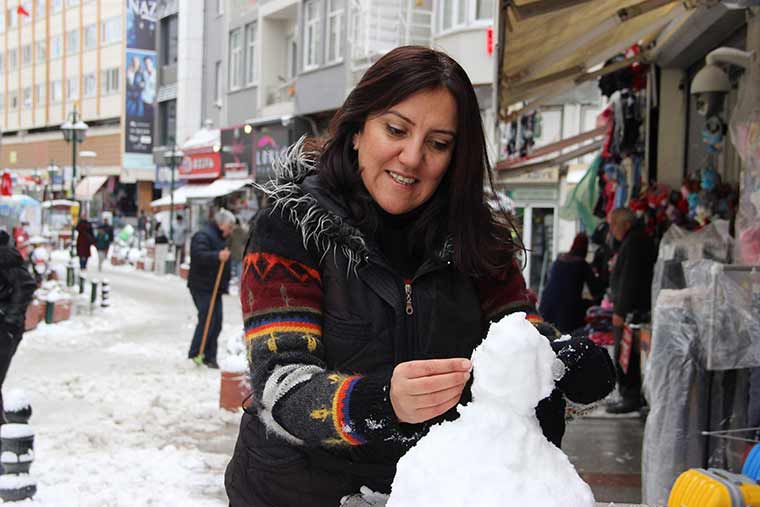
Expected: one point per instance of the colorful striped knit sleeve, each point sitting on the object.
(295, 396)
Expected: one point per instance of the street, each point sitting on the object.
(121, 416)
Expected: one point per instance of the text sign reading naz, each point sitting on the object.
(146, 9)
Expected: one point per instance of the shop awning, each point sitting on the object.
(551, 45)
(220, 187)
(89, 186)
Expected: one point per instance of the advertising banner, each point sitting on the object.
(238, 149)
(271, 142)
(140, 84)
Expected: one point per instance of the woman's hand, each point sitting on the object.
(422, 390)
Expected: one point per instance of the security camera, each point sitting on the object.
(711, 84)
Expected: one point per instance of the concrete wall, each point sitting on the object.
(190, 69)
(321, 90)
(215, 37)
(672, 127)
(468, 47)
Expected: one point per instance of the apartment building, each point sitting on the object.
(56, 55)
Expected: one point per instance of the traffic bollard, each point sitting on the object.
(94, 292)
(70, 273)
(105, 294)
(49, 311)
(82, 281)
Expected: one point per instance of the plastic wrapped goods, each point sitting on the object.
(675, 387)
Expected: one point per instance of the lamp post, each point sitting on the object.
(74, 130)
(174, 157)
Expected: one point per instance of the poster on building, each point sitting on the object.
(140, 84)
(271, 142)
(238, 151)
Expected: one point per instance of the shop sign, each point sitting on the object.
(538, 176)
(204, 165)
(238, 148)
(532, 194)
(164, 177)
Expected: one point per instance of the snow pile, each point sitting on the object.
(236, 360)
(15, 400)
(495, 452)
(16, 431)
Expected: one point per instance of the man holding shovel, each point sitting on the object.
(208, 279)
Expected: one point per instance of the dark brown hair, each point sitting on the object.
(483, 243)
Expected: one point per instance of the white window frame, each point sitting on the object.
(56, 91)
(474, 13)
(72, 3)
(27, 55)
(40, 93)
(462, 13)
(39, 9)
(90, 88)
(72, 88)
(27, 5)
(219, 7)
(109, 81)
(56, 6)
(90, 42)
(40, 51)
(311, 34)
(334, 23)
(72, 41)
(236, 59)
(56, 46)
(12, 18)
(26, 102)
(13, 59)
(13, 100)
(251, 58)
(110, 31)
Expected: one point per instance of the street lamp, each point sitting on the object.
(74, 130)
(174, 158)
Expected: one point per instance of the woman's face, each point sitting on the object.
(405, 152)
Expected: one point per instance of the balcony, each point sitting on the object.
(377, 26)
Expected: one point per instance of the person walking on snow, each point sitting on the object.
(237, 242)
(17, 288)
(207, 250)
(85, 240)
(103, 241)
(369, 282)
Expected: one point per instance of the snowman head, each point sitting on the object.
(512, 368)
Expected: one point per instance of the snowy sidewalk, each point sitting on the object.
(121, 416)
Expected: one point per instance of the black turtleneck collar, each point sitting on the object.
(403, 250)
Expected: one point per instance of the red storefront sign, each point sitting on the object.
(201, 164)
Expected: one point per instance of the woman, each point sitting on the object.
(562, 302)
(85, 240)
(367, 285)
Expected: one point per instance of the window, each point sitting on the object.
(236, 59)
(13, 22)
(56, 46)
(2, 21)
(218, 83)
(334, 31)
(109, 81)
(27, 102)
(13, 100)
(72, 3)
(169, 40)
(55, 6)
(27, 5)
(90, 36)
(2, 63)
(311, 34)
(72, 42)
(292, 64)
(453, 14)
(484, 10)
(2, 102)
(90, 85)
(111, 31)
(72, 88)
(12, 59)
(250, 53)
(39, 94)
(55, 91)
(40, 50)
(39, 9)
(167, 112)
(26, 54)
(219, 7)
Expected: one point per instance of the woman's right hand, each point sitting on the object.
(424, 389)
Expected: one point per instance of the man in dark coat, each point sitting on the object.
(16, 290)
(631, 285)
(207, 249)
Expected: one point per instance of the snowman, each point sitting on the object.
(495, 453)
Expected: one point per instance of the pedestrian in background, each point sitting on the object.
(142, 228)
(562, 302)
(180, 239)
(103, 241)
(207, 249)
(237, 242)
(17, 288)
(85, 240)
(631, 288)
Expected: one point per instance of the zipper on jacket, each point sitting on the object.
(408, 292)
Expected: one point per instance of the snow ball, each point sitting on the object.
(234, 364)
(513, 365)
(9, 481)
(15, 400)
(16, 431)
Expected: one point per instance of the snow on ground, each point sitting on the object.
(121, 416)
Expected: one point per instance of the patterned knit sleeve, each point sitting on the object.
(295, 396)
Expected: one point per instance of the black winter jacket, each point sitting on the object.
(204, 260)
(326, 320)
(17, 288)
(631, 278)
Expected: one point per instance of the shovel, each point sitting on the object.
(199, 358)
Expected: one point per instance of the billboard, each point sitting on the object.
(271, 142)
(140, 84)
